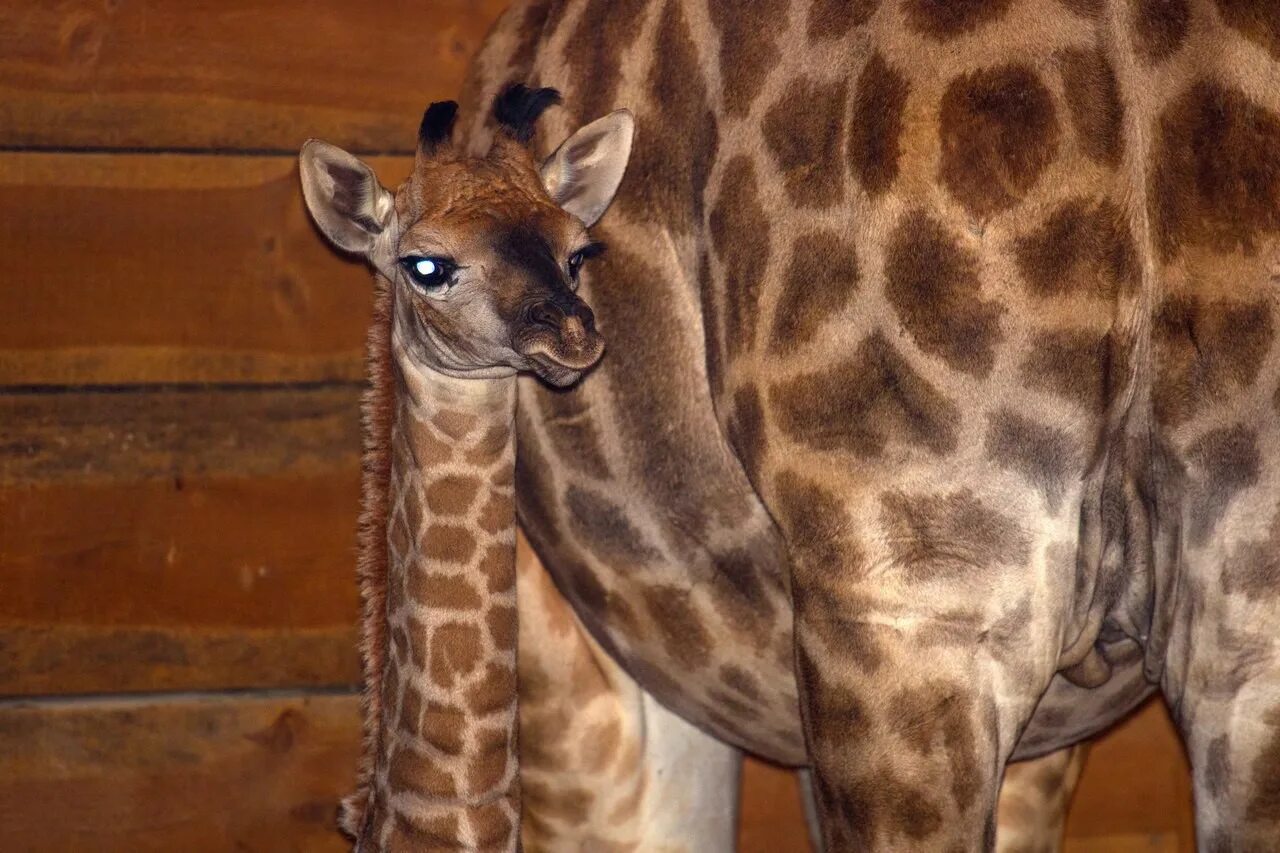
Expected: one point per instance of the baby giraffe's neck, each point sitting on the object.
(445, 769)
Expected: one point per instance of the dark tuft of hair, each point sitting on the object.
(437, 124)
(518, 107)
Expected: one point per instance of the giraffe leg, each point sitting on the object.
(1032, 813)
(603, 766)
(925, 636)
(1222, 681)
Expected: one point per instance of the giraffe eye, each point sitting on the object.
(432, 276)
(576, 259)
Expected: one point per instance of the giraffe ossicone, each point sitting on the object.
(476, 261)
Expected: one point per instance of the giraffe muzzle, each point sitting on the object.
(559, 337)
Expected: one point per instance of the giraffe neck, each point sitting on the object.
(444, 764)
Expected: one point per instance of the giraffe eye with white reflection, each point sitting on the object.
(430, 276)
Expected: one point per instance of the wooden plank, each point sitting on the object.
(200, 562)
(191, 773)
(771, 813)
(168, 268)
(138, 434)
(1136, 782)
(238, 74)
(178, 539)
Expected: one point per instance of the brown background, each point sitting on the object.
(179, 372)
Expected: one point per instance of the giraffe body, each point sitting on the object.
(476, 261)
(940, 423)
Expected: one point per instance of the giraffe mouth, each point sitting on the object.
(557, 370)
(560, 355)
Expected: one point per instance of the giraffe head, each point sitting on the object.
(483, 253)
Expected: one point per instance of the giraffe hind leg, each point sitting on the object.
(603, 766)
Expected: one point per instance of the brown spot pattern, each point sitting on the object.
(952, 535)
(1093, 98)
(859, 405)
(748, 48)
(938, 717)
(832, 19)
(1071, 364)
(455, 651)
(1226, 461)
(946, 19)
(875, 134)
(1045, 455)
(1206, 351)
(933, 286)
(1083, 247)
(679, 624)
(443, 727)
(740, 237)
(1254, 568)
(821, 277)
(447, 592)
(448, 543)
(1264, 802)
(1084, 8)
(667, 175)
(998, 132)
(409, 771)
(602, 524)
(1159, 27)
(566, 419)
(1216, 181)
(746, 428)
(741, 594)
(1257, 20)
(814, 521)
(501, 621)
(452, 495)
(492, 693)
(605, 29)
(803, 130)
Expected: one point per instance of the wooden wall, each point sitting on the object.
(179, 372)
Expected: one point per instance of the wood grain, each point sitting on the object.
(1137, 783)
(167, 268)
(771, 813)
(190, 773)
(230, 74)
(190, 559)
(154, 539)
(157, 433)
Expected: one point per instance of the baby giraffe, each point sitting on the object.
(476, 262)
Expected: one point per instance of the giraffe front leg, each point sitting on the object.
(1032, 815)
(925, 635)
(1222, 681)
(909, 760)
(603, 766)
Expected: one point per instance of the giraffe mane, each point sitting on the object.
(377, 405)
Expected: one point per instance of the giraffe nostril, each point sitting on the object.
(546, 314)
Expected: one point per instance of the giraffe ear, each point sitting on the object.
(344, 197)
(584, 172)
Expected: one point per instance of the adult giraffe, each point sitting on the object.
(939, 425)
